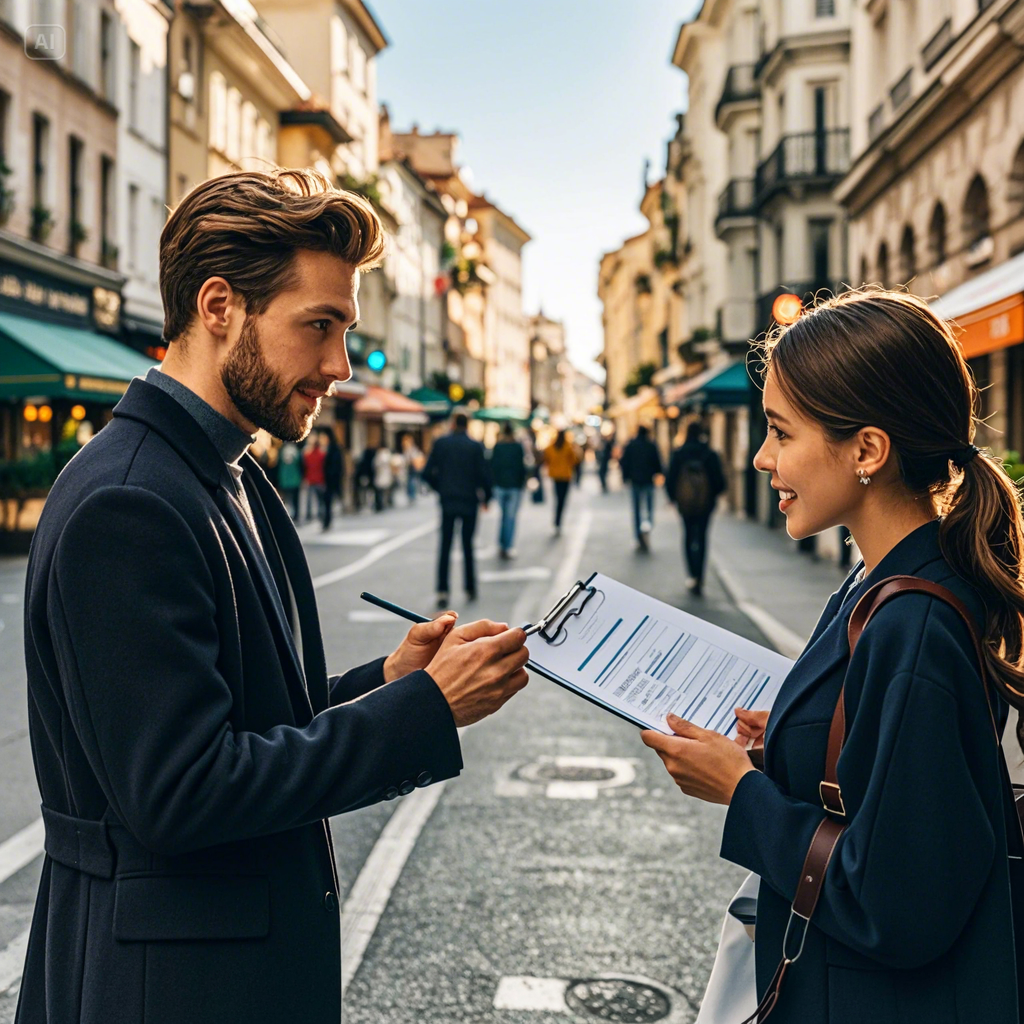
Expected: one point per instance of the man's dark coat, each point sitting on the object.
(186, 759)
(914, 921)
(457, 469)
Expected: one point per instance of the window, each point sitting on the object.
(134, 75)
(248, 150)
(5, 117)
(234, 125)
(133, 227)
(1015, 192)
(937, 235)
(107, 248)
(820, 232)
(824, 8)
(75, 227)
(976, 211)
(265, 141)
(80, 40)
(863, 271)
(106, 56)
(908, 258)
(40, 147)
(218, 111)
(339, 45)
(883, 265)
(358, 66)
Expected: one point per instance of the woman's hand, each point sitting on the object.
(420, 645)
(702, 763)
(750, 726)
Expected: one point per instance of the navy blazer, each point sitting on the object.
(914, 922)
(186, 756)
(459, 471)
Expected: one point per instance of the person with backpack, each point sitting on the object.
(640, 464)
(883, 825)
(694, 482)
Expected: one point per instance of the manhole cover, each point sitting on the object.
(552, 772)
(618, 999)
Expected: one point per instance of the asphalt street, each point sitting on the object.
(561, 854)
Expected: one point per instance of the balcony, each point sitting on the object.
(809, 158)
(735, 201)
(740, 87)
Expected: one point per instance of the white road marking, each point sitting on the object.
(12, 961)
(371, 616)
(781, 637)
(10, 599)
(527, 573)
(524, 993)
(373, 555)
(348, 538)
(21, 849)
(623, 774)
(372, 889)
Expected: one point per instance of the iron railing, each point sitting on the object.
(740, 85)
(822, 157)
(736, 199)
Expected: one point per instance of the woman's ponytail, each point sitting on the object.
(982, 538)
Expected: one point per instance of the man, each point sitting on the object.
(188, 742)
(640, 464)
(694, 482)
(508, 471)
(457, 469)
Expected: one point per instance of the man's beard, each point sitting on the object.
(259, 394)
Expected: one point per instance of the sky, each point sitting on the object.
(557, 105)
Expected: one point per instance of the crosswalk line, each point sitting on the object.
(21, 849)
(12, 960)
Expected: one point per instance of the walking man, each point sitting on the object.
(187, 740)
(508, 470)
(457, 469)
(640, 464)
(334, 477)
(694, 482)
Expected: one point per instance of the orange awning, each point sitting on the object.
(993, 327)
(390, 406)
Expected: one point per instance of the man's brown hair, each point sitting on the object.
(247, 228)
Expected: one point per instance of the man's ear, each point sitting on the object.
(216, 304)
(872, 450)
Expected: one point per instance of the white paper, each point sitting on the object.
(645, 658)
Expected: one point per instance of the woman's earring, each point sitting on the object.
(863, 477)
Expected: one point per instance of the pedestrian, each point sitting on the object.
(508, 470)
(364, 474)
(383, 478)
(640, 464)
(334, 476)
(457, 469)
(581, 450)
(911, 895)
(313, 457)
(693, 482)
(188, 742)
(604, 458)
(561, 459)
(414, 463)
(289, 476)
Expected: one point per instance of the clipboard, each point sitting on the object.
(670, 661)
(550, 627)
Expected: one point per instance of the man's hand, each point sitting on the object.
(478, 667)
(702, 763)
(420, 645)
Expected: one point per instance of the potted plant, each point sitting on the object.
(20, 481)
(78, 235)
(42, 222)
(108, 254)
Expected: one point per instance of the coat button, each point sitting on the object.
(390, 793)
(424, 779)
(330, 902)
(406, 788)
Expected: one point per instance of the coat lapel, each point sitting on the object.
(297, 568)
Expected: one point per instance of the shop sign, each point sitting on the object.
(993, 327)
(39, 296)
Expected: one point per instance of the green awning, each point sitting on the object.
(497, 413)
(435, 402)
(56, 361)
(731, 387)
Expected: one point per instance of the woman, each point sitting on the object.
(561, 458)
(870, 410)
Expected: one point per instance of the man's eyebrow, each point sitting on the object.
(326, 309)
(775, 416)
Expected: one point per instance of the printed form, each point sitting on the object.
(642, 659)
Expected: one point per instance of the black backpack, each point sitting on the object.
(693, 488)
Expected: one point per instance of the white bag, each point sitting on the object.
(731, 995)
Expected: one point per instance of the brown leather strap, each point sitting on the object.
(819, 854)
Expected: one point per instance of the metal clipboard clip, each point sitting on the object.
(550, 625)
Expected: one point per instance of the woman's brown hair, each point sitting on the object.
(247, 228)
(884, 359)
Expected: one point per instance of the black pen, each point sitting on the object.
(397, 609)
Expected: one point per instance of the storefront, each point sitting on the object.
(383, 415)
(989, 311)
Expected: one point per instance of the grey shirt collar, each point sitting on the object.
(230, 441)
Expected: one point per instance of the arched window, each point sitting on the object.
(883, 265)
(1016, 189)
(937, 235)
(908, 259)
(976, 212)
